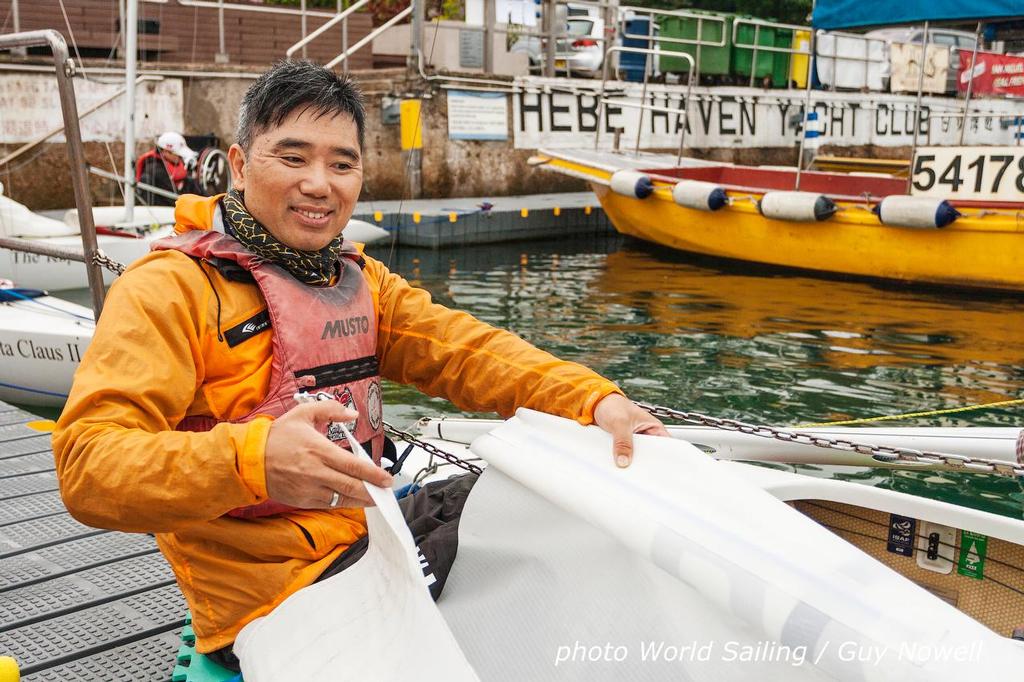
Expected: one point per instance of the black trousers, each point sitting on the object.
(432, 514)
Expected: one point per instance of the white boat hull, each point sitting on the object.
(41, 345)
(56, 274)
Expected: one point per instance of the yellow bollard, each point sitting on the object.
(452, 217)
(524, 212)
(378, 216)
(558, 211)
(586, 210)
(9, 670)
(416, 217)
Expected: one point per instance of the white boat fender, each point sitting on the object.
(905, 211)
(796, 206)
(703, 196)
(632, 184)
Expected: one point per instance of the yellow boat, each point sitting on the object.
(860, 225)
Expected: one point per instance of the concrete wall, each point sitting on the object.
(451, 168)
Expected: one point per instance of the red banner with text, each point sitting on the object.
(994, 74)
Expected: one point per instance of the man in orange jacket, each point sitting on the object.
(182, 421)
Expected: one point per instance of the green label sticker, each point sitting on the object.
(972, 554)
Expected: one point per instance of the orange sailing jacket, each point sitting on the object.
(155, 358)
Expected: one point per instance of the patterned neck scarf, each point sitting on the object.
(317, 268)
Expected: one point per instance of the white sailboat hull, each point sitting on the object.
(41, 344)
(56, 274)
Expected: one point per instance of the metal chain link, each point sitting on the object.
(104, 261)
(432, 449)
(882, 453)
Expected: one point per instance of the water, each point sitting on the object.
(734, 342)
(730, 341)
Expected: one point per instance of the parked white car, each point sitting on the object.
(580, 54)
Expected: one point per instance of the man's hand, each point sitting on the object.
(304, 469)
(617, 415)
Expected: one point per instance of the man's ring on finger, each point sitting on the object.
(335, 498)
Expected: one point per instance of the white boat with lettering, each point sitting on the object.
(42, 339)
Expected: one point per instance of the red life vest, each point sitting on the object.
(177, 172)
(325, 339)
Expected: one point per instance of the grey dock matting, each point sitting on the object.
(76, 603)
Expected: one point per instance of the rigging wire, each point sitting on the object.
(416, 134)
(909, 415)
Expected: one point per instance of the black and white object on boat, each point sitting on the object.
(696, 194)
(632, 184)
(907, 211)
(803, 207)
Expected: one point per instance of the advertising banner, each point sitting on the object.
(994, 74)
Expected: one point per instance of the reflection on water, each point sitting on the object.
(734, 342)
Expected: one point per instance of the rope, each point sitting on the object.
(909, 415)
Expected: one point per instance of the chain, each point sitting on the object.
(104, 261)
(881, 453)
(432, 449)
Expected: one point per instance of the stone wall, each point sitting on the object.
(450, 168)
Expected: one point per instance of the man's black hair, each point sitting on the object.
(289, 86)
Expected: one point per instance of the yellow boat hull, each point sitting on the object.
(980, 250)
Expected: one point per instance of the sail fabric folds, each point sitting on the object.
(570, 568)
(843, 14)
(373, 621)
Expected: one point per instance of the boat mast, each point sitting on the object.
(970, 84)
(807, 102)
(130, 68)
(917, 104)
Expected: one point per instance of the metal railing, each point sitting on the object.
(643, 106)
(341, 17)
(370, 36)
(698, 42)
(758, 24)
(64, 68)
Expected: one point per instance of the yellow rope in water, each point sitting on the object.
(908, 415)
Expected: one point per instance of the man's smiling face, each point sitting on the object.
(302, 179)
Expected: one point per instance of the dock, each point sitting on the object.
(78, 603)
(439, 223)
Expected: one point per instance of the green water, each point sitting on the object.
(734, 342)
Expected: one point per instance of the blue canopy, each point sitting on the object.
(839, 14)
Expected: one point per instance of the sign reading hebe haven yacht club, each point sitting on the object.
(564, 114)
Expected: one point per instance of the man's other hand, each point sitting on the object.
(304, 469)
(619, 416)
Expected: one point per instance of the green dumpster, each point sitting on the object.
(773, 64)
(714, 61)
